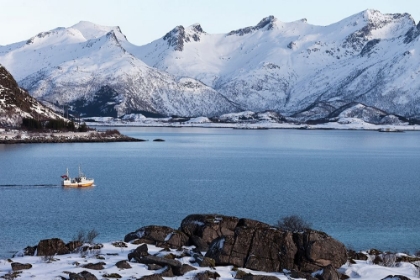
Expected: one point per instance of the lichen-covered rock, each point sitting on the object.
(51, 247)
(202, 229)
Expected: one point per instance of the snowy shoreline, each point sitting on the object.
(251, 120)
(107, 256)
(25, 137)
(208, 246)
(261, 126)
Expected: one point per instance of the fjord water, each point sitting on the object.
(361, 187)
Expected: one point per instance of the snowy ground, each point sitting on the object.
(62, 265)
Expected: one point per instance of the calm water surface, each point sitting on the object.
(361, 187)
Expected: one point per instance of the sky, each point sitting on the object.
(143, 21)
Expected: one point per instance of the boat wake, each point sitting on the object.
(37, 185)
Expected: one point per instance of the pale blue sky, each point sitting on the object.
(143, 21)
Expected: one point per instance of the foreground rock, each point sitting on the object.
(161, 236)
(227, 241)
(84, 275)
(245, 243)
(203, 229)
(20, 266)
(51, 247)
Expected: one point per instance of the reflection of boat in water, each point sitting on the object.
(77, 182)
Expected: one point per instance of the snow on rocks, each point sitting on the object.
(240, 249)
(112, 260)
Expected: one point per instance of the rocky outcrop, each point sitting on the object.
(227, 240)
(203, 229)
(242, 243)
(255, 245)
(158, 235)
(266, 23)
(317, 250)
(51, 247)
(177, 37)
(266, 249)
(20, 266)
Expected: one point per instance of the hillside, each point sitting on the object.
(16, 103)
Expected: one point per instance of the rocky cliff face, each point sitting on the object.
(16, 103)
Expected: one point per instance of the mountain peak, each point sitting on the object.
(377, 26)
(91, 30)
(266, 23)
(180, 35)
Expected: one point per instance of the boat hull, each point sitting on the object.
(78, 185)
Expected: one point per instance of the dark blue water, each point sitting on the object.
(361, 187)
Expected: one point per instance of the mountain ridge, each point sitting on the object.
(368, 58)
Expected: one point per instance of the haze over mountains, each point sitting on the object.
(296, 69)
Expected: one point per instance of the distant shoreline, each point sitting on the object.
(264, 126)
(23, 137)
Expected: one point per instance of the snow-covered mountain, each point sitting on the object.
(74, 65)
(296, 69)
(288, 67)
(16, 103)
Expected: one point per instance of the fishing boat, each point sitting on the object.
(78, 182)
